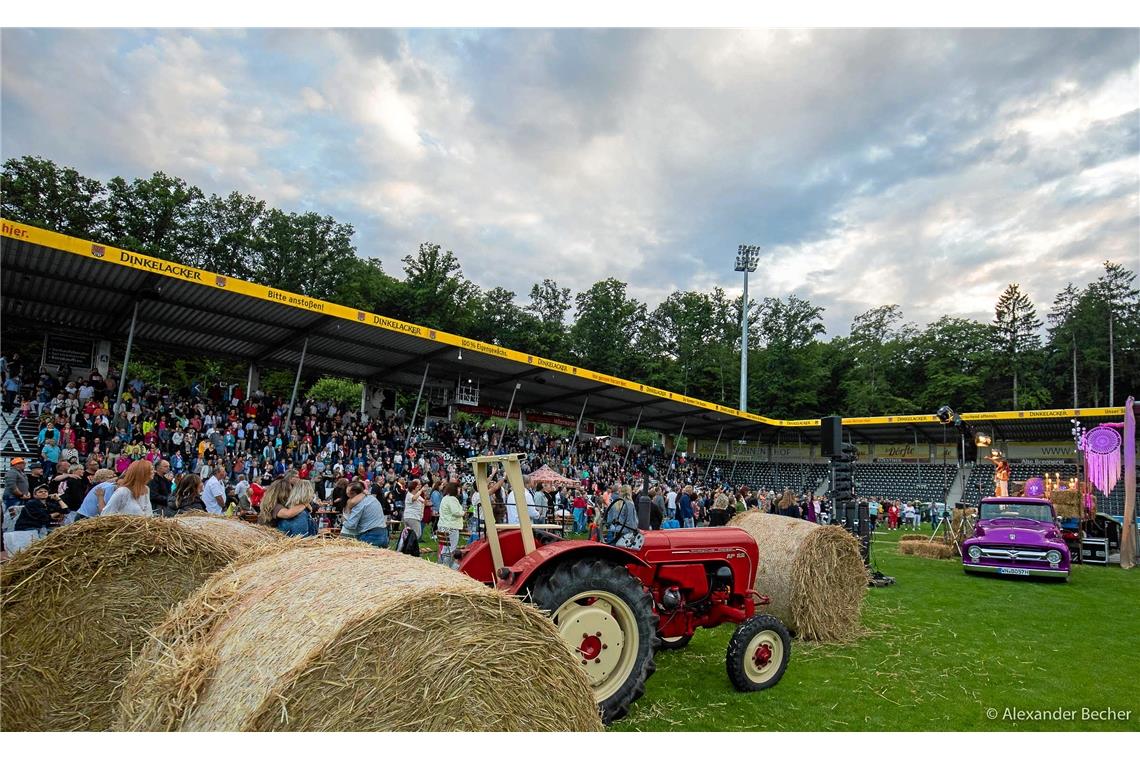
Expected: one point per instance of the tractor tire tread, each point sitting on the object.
(574, 578)
(744, 633)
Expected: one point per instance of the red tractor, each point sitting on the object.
(615, 606)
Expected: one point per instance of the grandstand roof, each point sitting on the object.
(58, 282)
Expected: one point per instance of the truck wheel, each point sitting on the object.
(758, 653)
(606, 618)
(674, 642)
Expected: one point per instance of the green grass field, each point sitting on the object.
(941, 648)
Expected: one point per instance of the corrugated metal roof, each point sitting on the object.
(69, 284)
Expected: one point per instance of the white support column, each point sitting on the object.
(123, 376)
(296, 383)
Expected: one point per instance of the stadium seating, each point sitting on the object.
(909, 481)
(774, 476)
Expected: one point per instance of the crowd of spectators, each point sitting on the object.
(153, 449)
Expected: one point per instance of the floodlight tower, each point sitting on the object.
(747, 257)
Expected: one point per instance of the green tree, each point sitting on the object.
(1121, 311)
(791, 375)
(1016, 325)
(153, 216)
(437, 293)
(549, 304)
(496, 319)
(304, 253)
(229, 234)
(365, 285)
(343, 392)
(1063, 330)
(36, 191)
(879, 347)
(607, 323)
(954, 358)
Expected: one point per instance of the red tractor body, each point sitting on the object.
(698, 577)
(614, 607)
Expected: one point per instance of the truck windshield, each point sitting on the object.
(1038, 512)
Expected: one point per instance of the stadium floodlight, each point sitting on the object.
(747, 257)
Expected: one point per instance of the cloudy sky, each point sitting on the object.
(925, 168)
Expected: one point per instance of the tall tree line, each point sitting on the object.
(1089, 354)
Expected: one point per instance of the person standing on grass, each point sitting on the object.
(414, 508)
(450, 519)
(685, 508)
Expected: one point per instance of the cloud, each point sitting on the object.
(924, 167)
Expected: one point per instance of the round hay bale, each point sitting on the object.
(813, 574)
(239, 530)
(77, 604)
(336, 635)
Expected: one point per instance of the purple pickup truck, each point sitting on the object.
(1016, 536)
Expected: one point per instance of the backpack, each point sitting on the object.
(408, 543)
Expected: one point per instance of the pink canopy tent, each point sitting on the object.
(546, 475)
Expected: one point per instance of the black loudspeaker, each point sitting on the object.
(831, 436)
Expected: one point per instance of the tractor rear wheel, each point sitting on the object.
(674, 642)
(606, 618)
(758, 653)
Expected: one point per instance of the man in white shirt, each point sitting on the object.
(671, 503)
(214, 493)
(512, 509)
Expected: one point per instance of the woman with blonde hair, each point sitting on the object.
(132, 497)
(292, 517)
(275, 496)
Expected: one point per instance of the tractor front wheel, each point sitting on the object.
(758, 653)
(605, 616)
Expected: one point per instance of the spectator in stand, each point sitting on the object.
(160, 489)
(132, 497)
(188, 498)
(70, 488)
(364, 517)
(215, 491)
(39, 513)
(16, 483)
(292, 518)
(96, 499)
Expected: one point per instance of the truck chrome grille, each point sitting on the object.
(1014, 555)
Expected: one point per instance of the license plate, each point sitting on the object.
(1012, 571)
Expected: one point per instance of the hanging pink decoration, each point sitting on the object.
(1102, 457)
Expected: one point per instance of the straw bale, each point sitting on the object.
(337, 635)
(1066, 503)
(240, 531)
(934, 551)
(911, 537)
(907, 547)
(813, 574)
(79, 602)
